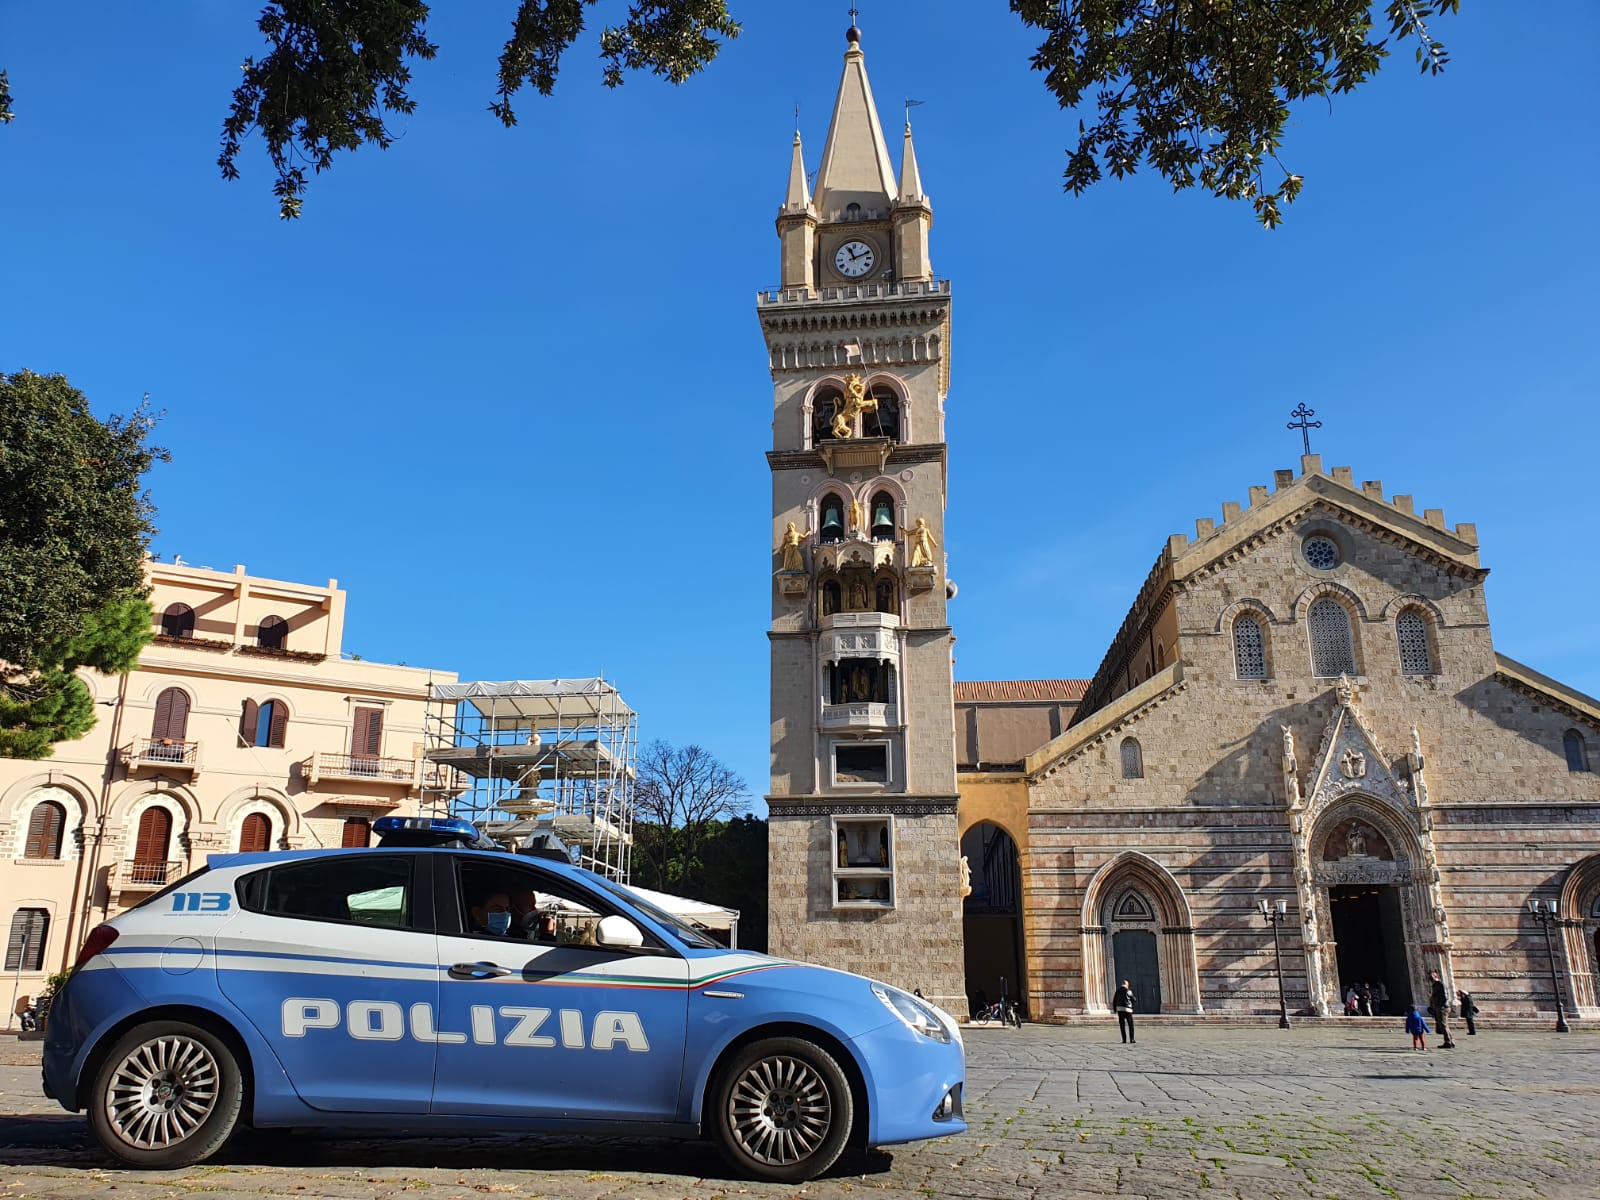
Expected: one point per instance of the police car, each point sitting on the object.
(436, 987)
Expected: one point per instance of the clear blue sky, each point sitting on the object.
(509, 388)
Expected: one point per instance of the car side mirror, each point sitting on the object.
(618, 933)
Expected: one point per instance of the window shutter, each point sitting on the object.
(254, 835)
(25, 947)
(357, 833)
(45, 824)
(155, 833)
(368, 734)
(280, 724)
(178, 621)
(172, 715)
(247, 723)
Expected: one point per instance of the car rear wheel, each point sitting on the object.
(168, 1095)
(782, 1110)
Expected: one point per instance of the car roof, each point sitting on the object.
(262, 858)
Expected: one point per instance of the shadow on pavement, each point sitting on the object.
(64, 1141)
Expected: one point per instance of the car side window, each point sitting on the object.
(500, 900)
(373, 889)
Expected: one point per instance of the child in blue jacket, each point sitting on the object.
(1416, 1027)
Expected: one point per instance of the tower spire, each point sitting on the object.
(855, 159)
(910, 176)
(798, 198)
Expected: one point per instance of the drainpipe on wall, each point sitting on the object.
(89, 863)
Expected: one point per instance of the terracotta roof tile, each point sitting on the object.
(1064, 690)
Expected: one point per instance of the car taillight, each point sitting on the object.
(99, 938)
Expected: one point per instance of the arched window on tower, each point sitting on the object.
(823, 405)
(1249, 648)
(177, 621)
(1576, 750)
(1411, 631)
(830, 525)
(1332, 646)
(272, 633)
(1132, 759)
(883, 522)
(883, 420)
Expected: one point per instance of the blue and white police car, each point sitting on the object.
(442, 988)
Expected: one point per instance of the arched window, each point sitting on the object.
(823, 405)
(177, 621)
(30, 929)
(1577, 752)
(1249, 648)
(1132, 759)
(170, 725)
(1411, 631)
(883, 520)
(1161, 655)
(1332, 646)
(830, 526)
(254, 834)
(272, 633)
(151, 846)
(852, 212)
(265, 724)
(46, 824)
(883, 420)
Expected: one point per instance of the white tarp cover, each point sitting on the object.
(540, 697)
(712, 915)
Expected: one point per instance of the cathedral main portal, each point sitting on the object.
(1370, 935)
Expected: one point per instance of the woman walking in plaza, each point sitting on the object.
(1123, 1003)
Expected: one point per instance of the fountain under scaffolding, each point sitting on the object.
(528, 755)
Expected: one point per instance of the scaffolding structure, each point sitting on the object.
(526, 756)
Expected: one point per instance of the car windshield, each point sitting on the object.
(690, 935)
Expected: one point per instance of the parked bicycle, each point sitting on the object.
(1003, 1010)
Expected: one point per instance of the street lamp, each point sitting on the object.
(1544, 912)
(1274, 914)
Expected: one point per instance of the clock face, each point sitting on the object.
(853, 259)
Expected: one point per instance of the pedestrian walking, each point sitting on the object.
(1469, 1010)
(1417, 1028)
(1366, 999)
(1352, 1005)
(1439, 1009)
(1122, 1001)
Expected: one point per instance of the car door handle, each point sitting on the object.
(479, 970)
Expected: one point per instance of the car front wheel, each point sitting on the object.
(782, 1110)
(168, 1095)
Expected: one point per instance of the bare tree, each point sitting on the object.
(682, 790)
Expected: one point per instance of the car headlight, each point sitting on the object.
(915, 1014)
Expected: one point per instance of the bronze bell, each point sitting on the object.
(831, 521)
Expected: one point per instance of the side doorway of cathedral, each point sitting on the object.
(991, 922)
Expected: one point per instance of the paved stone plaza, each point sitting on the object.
(1344, 1112)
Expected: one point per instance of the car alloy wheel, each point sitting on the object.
(784, 1110)
(167, 1095)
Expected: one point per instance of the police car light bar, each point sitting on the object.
(430, 831)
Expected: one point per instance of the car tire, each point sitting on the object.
(781, 1110)
(169, 1094)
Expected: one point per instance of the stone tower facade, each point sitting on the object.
(865, 868)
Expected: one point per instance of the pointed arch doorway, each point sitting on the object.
(1137, 926)
(991, 917)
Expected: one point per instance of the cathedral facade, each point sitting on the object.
(1304, 708)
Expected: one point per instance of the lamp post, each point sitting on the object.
(1544, 912)
(1274, 914)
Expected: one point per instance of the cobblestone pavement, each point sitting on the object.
(1057, 1113)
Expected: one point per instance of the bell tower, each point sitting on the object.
(864, 858)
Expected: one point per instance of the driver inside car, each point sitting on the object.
(536, 926)
(492, 914)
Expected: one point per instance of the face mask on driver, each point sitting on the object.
(499, 923)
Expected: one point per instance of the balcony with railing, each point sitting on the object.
(860, 715)
(162, 754)
(144, 875)
(362, 768)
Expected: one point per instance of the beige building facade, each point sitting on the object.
(1304, 705)
(244, 726)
